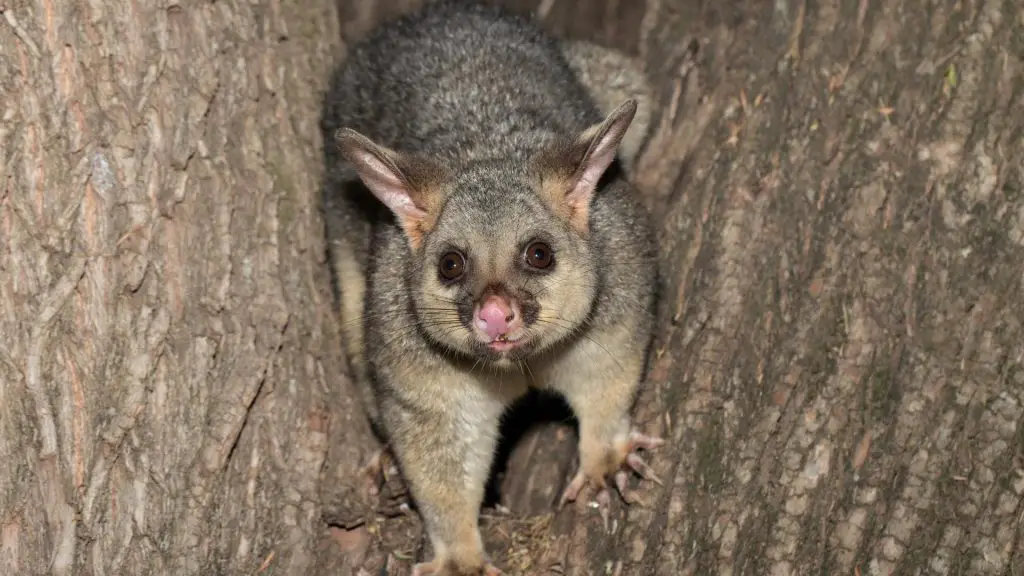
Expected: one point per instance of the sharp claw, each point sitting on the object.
(372, 465)
(572, 491)
(424, 569)
(604, 501)
(621, 478)
(373, 470)
(642, 468)
(434, 567)
(371, 486)
(638, 440)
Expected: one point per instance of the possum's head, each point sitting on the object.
(503, 264)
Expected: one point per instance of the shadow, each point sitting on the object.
(535, 409)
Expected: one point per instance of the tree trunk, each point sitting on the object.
(169, 367)
(839, 362)
(839, 356)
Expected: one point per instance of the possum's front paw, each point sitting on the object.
(438, 567)
(611, 462)
(378, 470)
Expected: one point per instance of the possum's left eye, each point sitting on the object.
(539, 255)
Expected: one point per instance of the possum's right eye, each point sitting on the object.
(538, 255)
(452, 266)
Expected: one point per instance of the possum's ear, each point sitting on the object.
(410, 186)
(570, 173)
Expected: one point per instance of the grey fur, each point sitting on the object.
(611, 77)
(482, 93)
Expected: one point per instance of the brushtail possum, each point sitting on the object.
(484, 239)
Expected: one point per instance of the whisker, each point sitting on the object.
(578, 331)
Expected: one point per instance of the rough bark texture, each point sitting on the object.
(167, 357)
(839, 359)
(839, 362)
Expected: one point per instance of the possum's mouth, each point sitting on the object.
(504, 342)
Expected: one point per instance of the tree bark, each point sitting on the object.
(838, 366)
(168, 360)
(839, 357)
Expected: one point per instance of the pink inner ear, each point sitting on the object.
(386, 185)
(594, 166)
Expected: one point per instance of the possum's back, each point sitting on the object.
(461, 81)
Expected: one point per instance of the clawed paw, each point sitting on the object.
(437, 567)
(598, 479)
(375, 471)
(432, 568)
(380, 471)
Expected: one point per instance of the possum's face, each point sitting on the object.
(503, 266)
(501, 275)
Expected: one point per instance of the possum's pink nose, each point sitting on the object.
(494, 316)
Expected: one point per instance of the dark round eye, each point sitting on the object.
(539, 255)
(452, 266)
